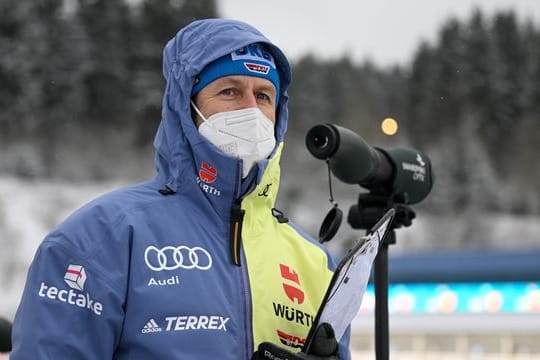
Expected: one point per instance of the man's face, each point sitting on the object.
(234, 93)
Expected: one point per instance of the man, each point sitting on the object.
(5, 336)
(195, 264)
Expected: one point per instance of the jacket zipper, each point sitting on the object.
(237, 255)
(237, 217)
(247, 308)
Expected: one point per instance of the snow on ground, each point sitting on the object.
(28, 211)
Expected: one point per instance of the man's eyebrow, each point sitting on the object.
(267, 88)
(225, 81)
(229, 80)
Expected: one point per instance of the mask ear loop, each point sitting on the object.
(198, 111)
(333, 219)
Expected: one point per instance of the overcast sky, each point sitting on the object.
(386, 31)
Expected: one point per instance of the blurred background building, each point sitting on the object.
(80, 100)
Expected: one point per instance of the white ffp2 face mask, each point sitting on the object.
(246, 134)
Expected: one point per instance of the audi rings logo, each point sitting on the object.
(180, 257)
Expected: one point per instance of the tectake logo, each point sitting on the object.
(75, 277)
(291, 284)
(207, 173)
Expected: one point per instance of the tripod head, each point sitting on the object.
(372, 206)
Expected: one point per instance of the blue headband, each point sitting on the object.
(252, 60)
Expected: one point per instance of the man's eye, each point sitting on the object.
(228, 91)
(263, 96)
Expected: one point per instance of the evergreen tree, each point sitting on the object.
(40, 84)
(524, 145)
(469, 97)
(436, 87)
(309, 104)
(107, 70)
(371, 97)
(447, 105)
(156, 22)
(420, 91)
(509, 89)
(339, 89)
(395, 85)
(11, 27)
(479, 73)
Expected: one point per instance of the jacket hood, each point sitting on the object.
(180, 149)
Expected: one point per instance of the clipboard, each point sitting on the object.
(344, 294)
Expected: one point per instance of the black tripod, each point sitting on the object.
(364, 215)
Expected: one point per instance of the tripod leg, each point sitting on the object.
(381, 304)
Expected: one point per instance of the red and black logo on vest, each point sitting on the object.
(291, 284)
(292, 288)
(290, 340)
(207, 173)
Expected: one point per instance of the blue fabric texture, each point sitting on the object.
(251, 60)
(145, 272)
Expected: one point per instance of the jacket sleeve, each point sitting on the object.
(344, 343)
(72, 306)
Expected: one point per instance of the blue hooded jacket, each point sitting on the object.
(190, 265)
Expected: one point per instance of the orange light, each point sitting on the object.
(389, 126)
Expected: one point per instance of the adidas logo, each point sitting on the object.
(151, 326)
